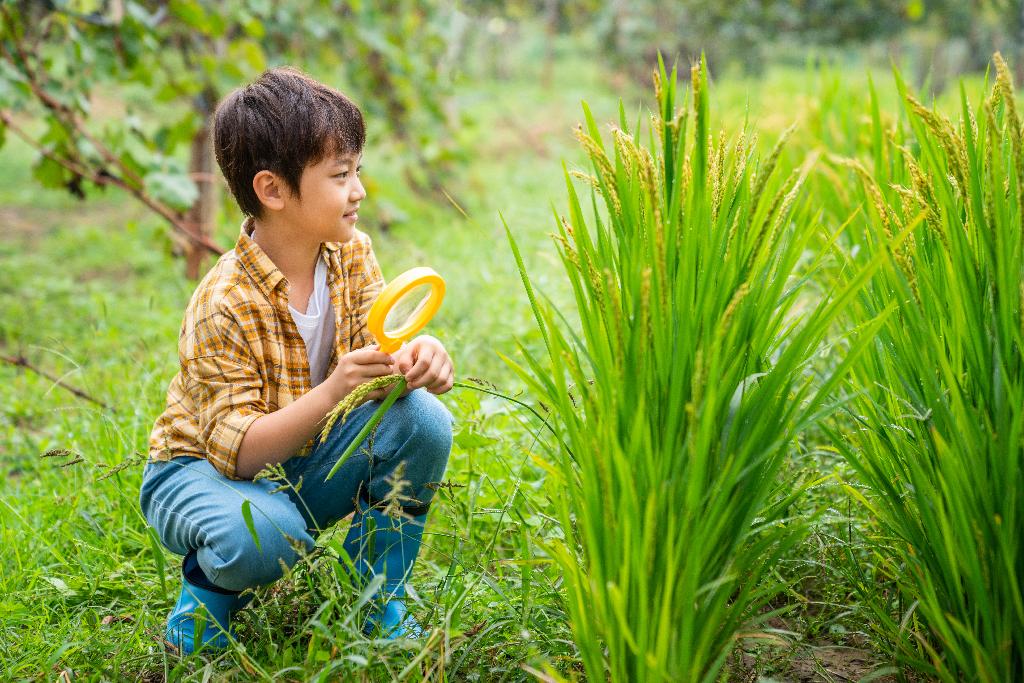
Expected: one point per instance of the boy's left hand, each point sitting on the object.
(425, 363)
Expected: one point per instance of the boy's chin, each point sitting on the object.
(344, 233)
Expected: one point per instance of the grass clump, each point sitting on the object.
(940, 404)
(679, 395)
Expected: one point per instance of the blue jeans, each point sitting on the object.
(196, 509)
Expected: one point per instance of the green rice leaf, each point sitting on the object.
(247, 516)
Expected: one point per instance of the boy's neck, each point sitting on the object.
(294, 257)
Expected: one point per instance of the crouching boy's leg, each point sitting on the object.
(388, 486)
(197, 512)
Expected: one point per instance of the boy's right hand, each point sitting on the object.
(360, 366)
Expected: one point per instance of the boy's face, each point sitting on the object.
(329, 195)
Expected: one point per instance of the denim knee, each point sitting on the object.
(424, 422)
(242, 563)
(419, 431)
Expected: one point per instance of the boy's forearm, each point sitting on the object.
(275, 437)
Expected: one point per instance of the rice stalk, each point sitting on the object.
(760, 179)
(677, 396)
(888, 220)
(587, 178)
(1004, 85)
(354, 399)
(939, 398)
(603, 165)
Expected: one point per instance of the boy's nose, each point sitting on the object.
(358, 192)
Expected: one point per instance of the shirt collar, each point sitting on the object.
(255, 261)
(259, 266)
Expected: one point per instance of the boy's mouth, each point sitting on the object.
(353, 214)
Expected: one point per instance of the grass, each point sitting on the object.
(100, 306)
(939, 422)
(91, 294)
(678, 399)
(77, 546)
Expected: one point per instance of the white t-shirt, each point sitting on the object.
(316, 325)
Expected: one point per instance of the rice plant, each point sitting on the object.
(940, 407)
(678, 396)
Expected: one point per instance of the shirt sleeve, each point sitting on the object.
(368, 283)
(226, 387)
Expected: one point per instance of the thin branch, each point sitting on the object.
(66, 114)
(67, 163)
(202, 177)
(17, 42)
(93, 18)
(22, 362)
(70, 121)
(104, 177)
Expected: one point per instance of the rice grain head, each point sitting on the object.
(1004, 84)
(900, 253)
(730, 309)
(924, 193)
(625, 150)
(760, 177)
(355, 398)
(587, 178)
(604, 167)
(947, 136)
(990, 165)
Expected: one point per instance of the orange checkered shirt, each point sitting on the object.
(240, 353)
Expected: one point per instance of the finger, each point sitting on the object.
(382, 393)
(406, 360)
(444, 387)
(368, 372)
(443, 374)
(432, 374)
(421, 366)
(451, 377)
(370, 357)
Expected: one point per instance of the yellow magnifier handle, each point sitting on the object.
(391, 340)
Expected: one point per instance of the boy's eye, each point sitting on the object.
(344, 174)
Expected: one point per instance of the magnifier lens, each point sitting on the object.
(406, 308)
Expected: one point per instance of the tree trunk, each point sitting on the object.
(620, 12)
(1020, 46)
(200, 216)
(552, 20)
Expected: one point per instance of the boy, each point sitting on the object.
(273, 337)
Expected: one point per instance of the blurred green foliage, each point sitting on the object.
(170, 62)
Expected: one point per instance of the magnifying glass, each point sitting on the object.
(402, 309)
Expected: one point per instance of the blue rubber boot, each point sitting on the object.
(382, 545)
(206, 610)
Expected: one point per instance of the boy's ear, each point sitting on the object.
(269, 190)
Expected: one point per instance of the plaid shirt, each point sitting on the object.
(241, 354)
